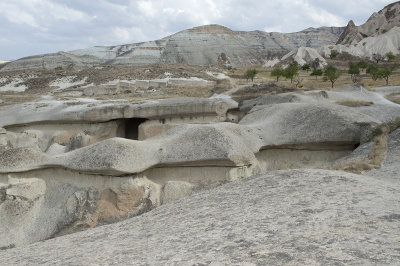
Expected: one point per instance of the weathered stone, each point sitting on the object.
(103, 111)
(174, 190)
(102, 90)
(327, 217)
(378, 23)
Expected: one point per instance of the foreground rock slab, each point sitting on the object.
(297, 217)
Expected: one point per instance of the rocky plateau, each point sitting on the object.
(139, 154)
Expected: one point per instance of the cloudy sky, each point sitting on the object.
(31, 27)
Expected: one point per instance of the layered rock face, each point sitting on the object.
(367, 47)
(379, 35)
(302, 55)
(207, 45)
(377, 24)
(75, 167)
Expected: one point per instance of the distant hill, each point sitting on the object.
(206, 45)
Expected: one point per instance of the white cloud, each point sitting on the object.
(53, 25)
(16, 14)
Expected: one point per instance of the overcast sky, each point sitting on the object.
(31, 27)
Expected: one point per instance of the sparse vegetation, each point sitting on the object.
(383, 72)
(277, 72)
(250, 74)
(291, 71)
(354, 72)
(390, 56)
(362, 65)
(331, 73)
(372, 68)
(299, 80)
(306, 67)
(59, 68)
(316, 73)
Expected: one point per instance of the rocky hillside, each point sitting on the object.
(377, 24)
(205, 45)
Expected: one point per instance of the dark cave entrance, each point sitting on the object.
(132, 127)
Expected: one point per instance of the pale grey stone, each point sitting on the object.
(308, 217)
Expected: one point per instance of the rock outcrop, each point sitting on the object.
(302, 55)
(206, 45)
(91, 164)
(377, 24)
(285, 217)
(379, 35)
(367, 47)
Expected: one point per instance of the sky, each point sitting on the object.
(29, 27)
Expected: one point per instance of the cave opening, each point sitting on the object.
(132, 127)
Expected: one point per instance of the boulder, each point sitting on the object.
(37, 208)
(288, 124)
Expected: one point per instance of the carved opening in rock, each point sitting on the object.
(132, 127)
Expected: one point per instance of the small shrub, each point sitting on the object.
(316, 73)
(390, 56)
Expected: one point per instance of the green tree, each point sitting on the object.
(332, 74)
(354, 72)
(316, 73)
(362, 65)
(382, 73)
(250, 74)
(305, 67)
(386, 72)
(277, 72)
(371, 69)
(291, 71)
(390, 56)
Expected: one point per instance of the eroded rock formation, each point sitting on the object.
(206, 45)
(379, 23)
(75, 167)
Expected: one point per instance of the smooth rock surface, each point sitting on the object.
(307, 123)
(98, 111)
(308, 217)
